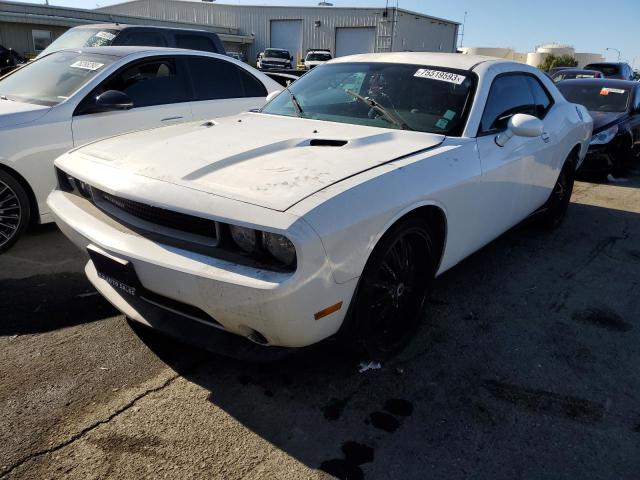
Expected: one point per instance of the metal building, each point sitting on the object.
(342, 30)
(30, 28)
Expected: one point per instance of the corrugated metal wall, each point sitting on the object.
(18, 36)
(255, 21)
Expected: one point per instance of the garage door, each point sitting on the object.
(350, 41)
(287, 34)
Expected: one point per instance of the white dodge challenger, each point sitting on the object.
(332, 209)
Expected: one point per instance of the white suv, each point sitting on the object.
(316, 57)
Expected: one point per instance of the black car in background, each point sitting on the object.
(619, 70)
(9, 59)
(615, 108)
(117, 34)
(570, 73)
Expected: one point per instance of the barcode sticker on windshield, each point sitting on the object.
(105, 35)
(439, 75)
(86, 65)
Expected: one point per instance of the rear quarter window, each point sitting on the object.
(195, 42)
(141, 39)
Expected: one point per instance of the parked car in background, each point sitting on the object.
(274, 58)
(316, 57)
(72, 97)
(9, 59)
(329, 211)
(575, 73)
(116, 34)
(238, 56)
(617, 70)
(284, 79)
(554, 70)
(615, 108)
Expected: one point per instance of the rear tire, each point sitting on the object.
(555, 209)
(15, 210)
(390, 299)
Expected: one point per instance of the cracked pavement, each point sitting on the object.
(525, 368)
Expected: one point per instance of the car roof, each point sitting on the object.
(601, 82)
(576, 70)
(123, 51)
(452, 60)
(122, 26)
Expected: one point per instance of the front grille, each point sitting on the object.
(180, 222)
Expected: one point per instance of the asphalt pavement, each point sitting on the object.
(526, 367)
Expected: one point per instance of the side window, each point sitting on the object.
(216, 79)
(543, 101)
(149, 83)
(509, 94)
(143, 39)
(252, 86)
(195, 42)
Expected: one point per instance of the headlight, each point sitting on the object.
(245, 238)
(280, 247)
(604, 136)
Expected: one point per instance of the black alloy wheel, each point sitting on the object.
(556, 207)
(393, 288)
(14, 211)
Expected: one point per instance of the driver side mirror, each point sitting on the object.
(111, 100)
(520, 125)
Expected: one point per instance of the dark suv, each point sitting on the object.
(619, 70)
(9, 60)
(108, 34)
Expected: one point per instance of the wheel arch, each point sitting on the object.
(432, 213)
(33, 203)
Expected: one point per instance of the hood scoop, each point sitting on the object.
(326, 142)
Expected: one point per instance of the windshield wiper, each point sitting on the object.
(386, 114)
(294, 101)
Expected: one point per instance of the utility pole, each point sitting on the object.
(464, 23)
(616, 50)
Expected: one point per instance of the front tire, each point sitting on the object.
(555, 209)
(15, 210)
(390, 299)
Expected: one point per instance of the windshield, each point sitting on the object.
(596, 97)
(318, 57)
(573, 74)
(276, 53)
(427, 99)
(54, 78)
(81, 38)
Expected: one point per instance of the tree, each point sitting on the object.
(553, 61)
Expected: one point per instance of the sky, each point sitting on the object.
(588, 25)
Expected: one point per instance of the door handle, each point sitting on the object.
(171, 119)
(545, 137)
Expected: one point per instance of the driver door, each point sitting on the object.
(509, 173)
(158, 90)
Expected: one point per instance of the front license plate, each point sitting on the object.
(120, 274)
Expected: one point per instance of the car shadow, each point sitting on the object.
(526, 341)
(43, 303)
(43, 286)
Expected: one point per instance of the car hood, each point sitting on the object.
(265, 160)
(17, 113)
(602, 120)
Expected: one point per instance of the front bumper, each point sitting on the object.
(238, 299)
